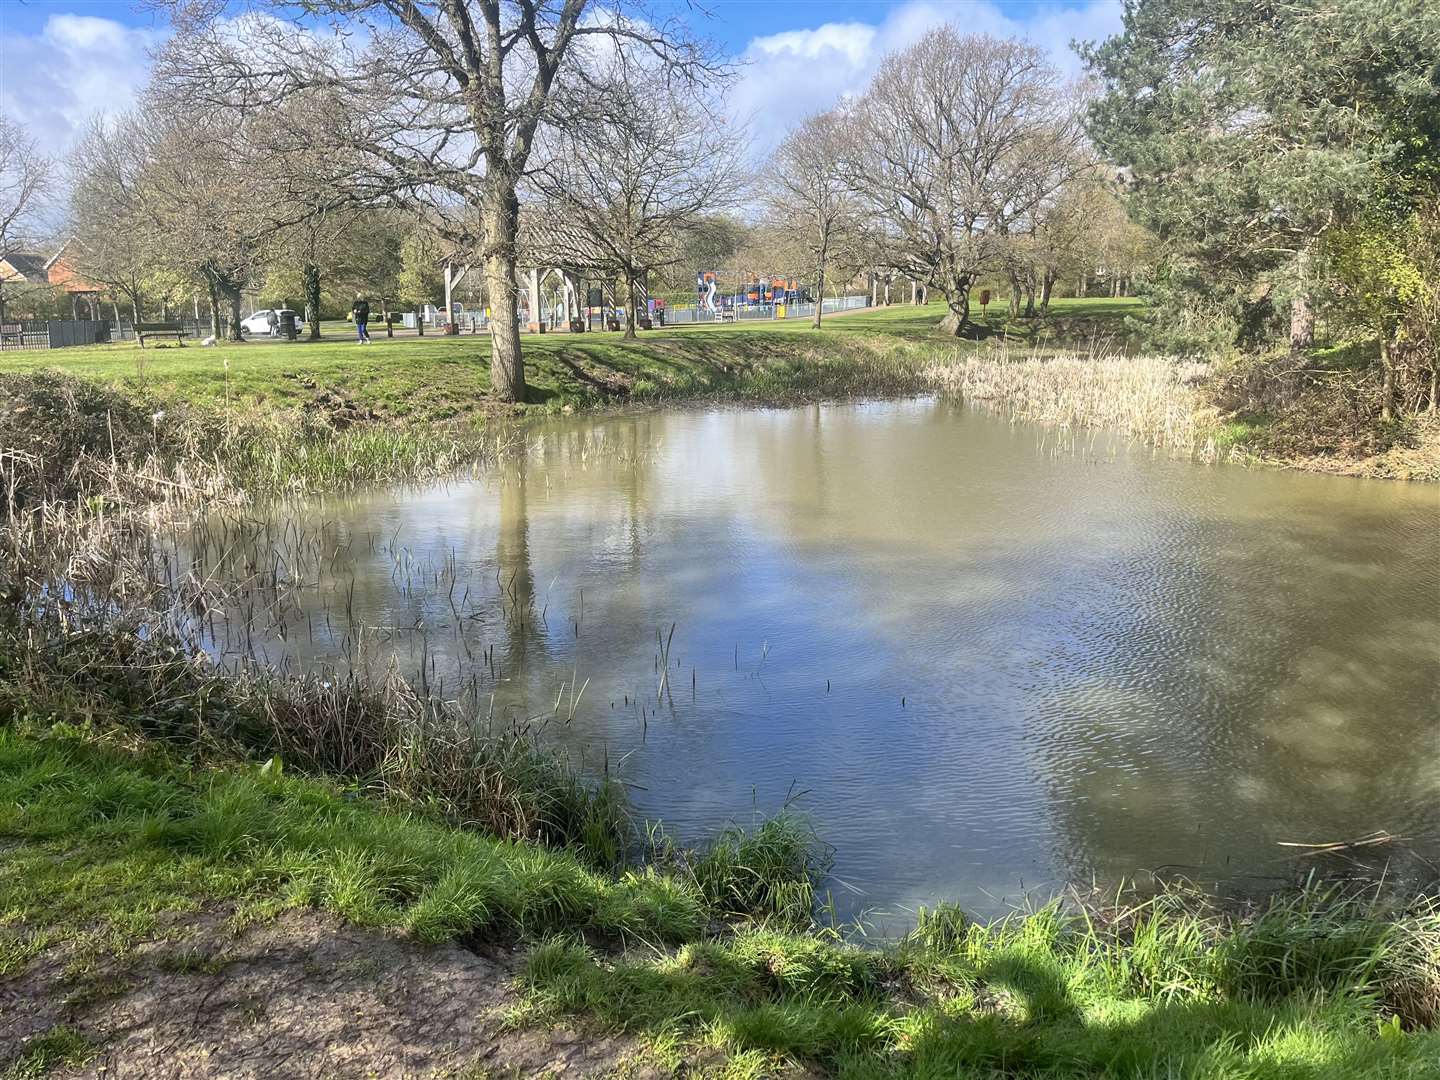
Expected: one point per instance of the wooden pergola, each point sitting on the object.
(560, 255)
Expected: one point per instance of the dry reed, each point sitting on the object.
(1153, 400)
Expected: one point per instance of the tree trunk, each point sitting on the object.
(958, 316)
(1387, 380)
(507, 368)
(216, 330)
(1030, 299)
(1047, 286)
(1433, 408)
(1302, 324)
(1014, 297)
(385, 313)
(822, 252)
(311, 273)
(632, 308)
(232, 295)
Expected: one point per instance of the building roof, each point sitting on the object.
(29, 265)
(62, 274)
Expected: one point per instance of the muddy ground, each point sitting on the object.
(304, 996)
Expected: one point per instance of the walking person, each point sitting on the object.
(361, 315)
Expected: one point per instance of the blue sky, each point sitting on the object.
(62, 60)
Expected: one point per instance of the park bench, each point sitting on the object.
(159, 329)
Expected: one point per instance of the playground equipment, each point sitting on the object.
(705, 283)
(752, 291)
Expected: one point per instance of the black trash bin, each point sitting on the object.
(287, 325)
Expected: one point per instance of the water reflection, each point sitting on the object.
(993, 662)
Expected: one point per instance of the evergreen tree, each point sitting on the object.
(1251, 129)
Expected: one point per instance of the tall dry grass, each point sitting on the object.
(1154, 400)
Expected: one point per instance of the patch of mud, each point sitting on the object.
(336, 407)
(300, 997)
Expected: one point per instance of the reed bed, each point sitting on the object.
(1153, 400)
(66, 439)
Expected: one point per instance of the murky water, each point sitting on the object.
(985, 664)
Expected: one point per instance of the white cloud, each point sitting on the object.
(792, 74)
(850, 40)
(76, 66)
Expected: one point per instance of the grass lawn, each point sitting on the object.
(435, 377)
(109, 848)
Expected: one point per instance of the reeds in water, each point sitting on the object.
(1153, 400)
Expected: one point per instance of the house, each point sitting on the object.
(61, 274)
(24, 267)
(22, 274)
(26, 271)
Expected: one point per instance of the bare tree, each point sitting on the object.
(184, 191)
(26, 183)
(112, 234)
(807, 196)
(620, 193)
(976, 133)
(443, 100)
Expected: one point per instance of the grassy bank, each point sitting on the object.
(440, 378)
(115, 846)
(262, 418)
(244, 422)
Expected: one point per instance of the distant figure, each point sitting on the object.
(361, 314)
(272, 320)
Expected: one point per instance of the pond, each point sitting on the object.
(985, 661)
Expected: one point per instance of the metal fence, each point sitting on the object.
(60, 333)
(53, 334)
(199, 329)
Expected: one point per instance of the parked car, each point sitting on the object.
(259, 322)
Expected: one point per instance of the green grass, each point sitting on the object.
(1296, 993)
(106, 844)
(60, 1047)
(110, 839)
(434, 377)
